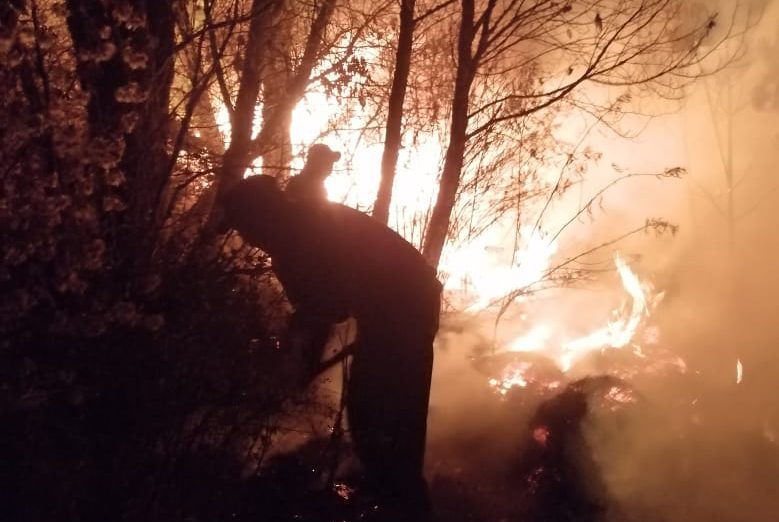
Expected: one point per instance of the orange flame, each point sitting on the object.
(617, 333)
(475, 269)
(471, 269)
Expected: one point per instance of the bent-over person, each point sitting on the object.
(334, 261)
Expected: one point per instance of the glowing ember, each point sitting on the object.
(620, 395)
(739, 371)
(541, 435)
(342, 490)
(512, 376)
(523, 373)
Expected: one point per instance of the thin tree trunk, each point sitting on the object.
(438, 227)
(243, 149)
(278, 118)
(238, 155)
(392, 140)
(274, 93)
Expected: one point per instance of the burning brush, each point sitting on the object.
(625, 347)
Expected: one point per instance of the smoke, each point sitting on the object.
(696, 445)
(705, 447)
(691, 445)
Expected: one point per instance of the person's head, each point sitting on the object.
(257, 208)
(320, 159)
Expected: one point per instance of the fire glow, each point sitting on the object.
(618, 333)
(475, 270)
(621, 331)
(476, 274)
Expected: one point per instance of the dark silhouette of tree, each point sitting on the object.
(127, 74)
(277, 116)
(397, 96)
(641, 45)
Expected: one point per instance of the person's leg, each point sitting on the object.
(305, 340)
(388, 394)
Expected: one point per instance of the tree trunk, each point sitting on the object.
(278, 70)
(392, 140)
(273, 142)
(147, 151)
(438, 227)
(238, 155)
(128, 106)
(243, 148)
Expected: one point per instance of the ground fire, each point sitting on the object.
(624, 330)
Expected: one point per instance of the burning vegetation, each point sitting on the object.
(175, 348)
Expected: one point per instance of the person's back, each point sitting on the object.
(383, 269)
(332, 249)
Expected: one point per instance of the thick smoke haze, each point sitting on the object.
(697, 444)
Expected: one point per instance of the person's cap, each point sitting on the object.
(322, 151)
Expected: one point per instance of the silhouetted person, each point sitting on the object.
(310, 183)
(311, 329)
(333, 262)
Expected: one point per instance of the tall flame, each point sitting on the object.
(476, 268)
(619, 332)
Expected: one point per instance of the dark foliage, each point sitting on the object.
(139, 374)
(138, 424)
